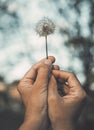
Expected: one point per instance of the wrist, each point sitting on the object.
(33, 122)
(30, 124)
(63, 125)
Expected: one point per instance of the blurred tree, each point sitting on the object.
(78, 27)
(8, 15)
(79, 14)
(78, 19)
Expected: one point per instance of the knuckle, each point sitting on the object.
(44, 68)
(19, 87)
(81, 95)
(84, 95)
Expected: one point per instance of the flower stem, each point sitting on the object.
(46, 47)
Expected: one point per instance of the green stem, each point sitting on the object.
(46, 47)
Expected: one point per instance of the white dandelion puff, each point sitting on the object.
(45, 27)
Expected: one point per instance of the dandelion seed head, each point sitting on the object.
(45, 27)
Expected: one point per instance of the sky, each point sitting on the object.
(22, 47)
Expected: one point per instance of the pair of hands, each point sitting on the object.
(45, 105)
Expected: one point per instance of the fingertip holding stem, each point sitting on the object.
(48, 62)
(52, 58)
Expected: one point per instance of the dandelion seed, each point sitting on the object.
(45, 27)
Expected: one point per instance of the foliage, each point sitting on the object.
(79, 15)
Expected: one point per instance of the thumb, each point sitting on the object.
(52, 88)
(43, 74)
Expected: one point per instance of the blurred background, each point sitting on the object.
(20, 47)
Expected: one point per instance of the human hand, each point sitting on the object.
(33, 90)
(63, 110)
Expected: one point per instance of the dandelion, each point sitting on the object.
(44, 28)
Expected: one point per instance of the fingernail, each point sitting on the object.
(48, 62)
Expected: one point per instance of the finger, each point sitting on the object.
(63, 89)
(52, 88)
(44, 73)
(63, 86)
(52, 58)
(32, 73)
(55, 67)
(30, 76)
(69, 77)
